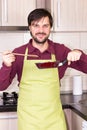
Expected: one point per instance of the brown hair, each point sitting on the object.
(38, 14)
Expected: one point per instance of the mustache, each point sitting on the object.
(41, 33)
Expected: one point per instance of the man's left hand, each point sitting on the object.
(73, 55)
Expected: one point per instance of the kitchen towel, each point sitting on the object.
(77, 85)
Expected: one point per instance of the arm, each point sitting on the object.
(5, 71)
(77, 60)
(73, 55)
(63, 52)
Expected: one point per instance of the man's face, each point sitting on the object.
(40, 30)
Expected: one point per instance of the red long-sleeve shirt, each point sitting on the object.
(8, 73)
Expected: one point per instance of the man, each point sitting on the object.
(39, 105)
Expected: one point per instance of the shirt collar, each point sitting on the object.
(50, 47)
(30, 47)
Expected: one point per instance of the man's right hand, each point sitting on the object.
(8, 58)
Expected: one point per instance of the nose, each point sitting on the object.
(41, 29)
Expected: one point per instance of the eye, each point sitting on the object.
(35, 25)
(46, 25)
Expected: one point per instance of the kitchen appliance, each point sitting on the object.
(10, 98)
(8, 102)
(8, 111)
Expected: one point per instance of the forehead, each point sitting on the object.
(43, 20)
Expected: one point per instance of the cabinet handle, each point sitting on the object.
(8, 117)
(58, 13)
(5, 4)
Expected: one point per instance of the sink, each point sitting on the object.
(83, 102)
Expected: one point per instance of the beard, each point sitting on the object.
(37, 40)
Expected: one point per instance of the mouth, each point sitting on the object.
(41, 34)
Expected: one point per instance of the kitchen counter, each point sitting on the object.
(69, 101)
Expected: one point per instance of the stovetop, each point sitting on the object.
(8, 98)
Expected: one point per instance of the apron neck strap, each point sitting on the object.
(53, 57)
(26, 52)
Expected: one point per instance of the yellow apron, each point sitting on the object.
(39, 105)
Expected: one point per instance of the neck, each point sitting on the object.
(41, 47)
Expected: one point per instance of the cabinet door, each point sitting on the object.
(8, 121)
(15, 12)
(76, 121)
(70, 15)
(13, 121)
(68, 117)
(0, 12)
(4, 123)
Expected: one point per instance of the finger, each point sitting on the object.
(69, 62)
(7, 52)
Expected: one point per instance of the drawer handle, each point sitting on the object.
(8, 117)
(5, 10)
(58, 13)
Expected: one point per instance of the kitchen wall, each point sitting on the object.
(10, 40)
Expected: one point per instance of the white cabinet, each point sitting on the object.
(4, 123)
(68, 117)
(69, 15)
(8, 120)
(15, 12)
(73, 120)
(0, 12)
(76, 121)
(13, 121)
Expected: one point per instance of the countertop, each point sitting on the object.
(69, 101)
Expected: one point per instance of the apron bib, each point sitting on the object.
(39, 105)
